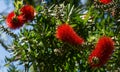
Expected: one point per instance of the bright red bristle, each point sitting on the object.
(102, 52)
(14, 21)
(66, 34)
(105, 1)
(28, 11)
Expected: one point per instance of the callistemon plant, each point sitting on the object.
(102, 52)
(62, 35)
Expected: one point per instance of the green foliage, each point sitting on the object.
(12, 69)
(39, 50)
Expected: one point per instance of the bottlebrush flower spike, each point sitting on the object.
(28, 12)
(102, 52)
(105, 1)
(66, 34)
(14, 21)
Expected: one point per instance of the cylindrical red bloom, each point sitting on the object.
(66, 33)
(105, 1)
(14, 21)
(102, 52)
(28, 12)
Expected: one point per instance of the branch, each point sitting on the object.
(4, 46)
(8, 31)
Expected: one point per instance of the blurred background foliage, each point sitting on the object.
(37, 49)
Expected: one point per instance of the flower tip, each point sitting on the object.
(105, 1)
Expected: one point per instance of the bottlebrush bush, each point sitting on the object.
(46, 44)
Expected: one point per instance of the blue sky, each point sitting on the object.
(5, 7)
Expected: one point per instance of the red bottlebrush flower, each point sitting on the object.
(102, 52)
(28, 12)
(14, 21)
(105, 1)
(66, 33)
